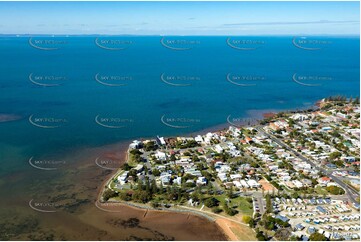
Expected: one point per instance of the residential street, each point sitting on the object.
(351, 192)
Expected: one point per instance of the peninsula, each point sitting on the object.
(292, 176)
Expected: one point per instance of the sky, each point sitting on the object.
(180, 18)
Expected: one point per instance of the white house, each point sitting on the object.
(178, 180)
(244, 184)
(123, 178)
(136, 144)
(218, 148)
(222, 176)
(160, 141)
(235, 176)
(252, 183)
(201, 181)
(237, 184)
(160, 155)
(198, 139)
(297, 183)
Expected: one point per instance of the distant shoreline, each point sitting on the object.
(161, 35)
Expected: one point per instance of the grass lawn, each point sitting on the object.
(320, 190)
(243, 206)
(132, 163)
(112, 185)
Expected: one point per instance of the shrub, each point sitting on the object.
(107, 194)
(125, 196)
(211, 202)
(246, 219)
(216, 210)
(228, 210)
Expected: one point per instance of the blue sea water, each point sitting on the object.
(74, 92)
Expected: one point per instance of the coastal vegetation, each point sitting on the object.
(335, 190)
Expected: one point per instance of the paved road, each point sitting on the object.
(350, 191)
(259, 200)
(217, 215)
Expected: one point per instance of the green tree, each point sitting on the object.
(335, 155)
(268, 204)
(228, 210)
(335, 190)
(154, 187)
(216, 210)
(252, 223)
(211, 202)
(230, 193)
(293, 238)
(147, 186)
(195, 158)
(140, 185)
(172, 157)
(155, 172)
(261, 236)
(127, 167)
(161, 188)
(141, 196)
(145, 169)
(123, 195)
(108, 193)
(155, 204)
(317, 237)
(150, 146)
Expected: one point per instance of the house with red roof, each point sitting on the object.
(323, 181)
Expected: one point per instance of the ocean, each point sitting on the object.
(63, 94)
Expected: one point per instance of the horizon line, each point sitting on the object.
(181, 35)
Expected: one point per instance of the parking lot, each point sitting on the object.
(332, 218)
(259, 203)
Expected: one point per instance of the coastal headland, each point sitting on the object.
(226, 178)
